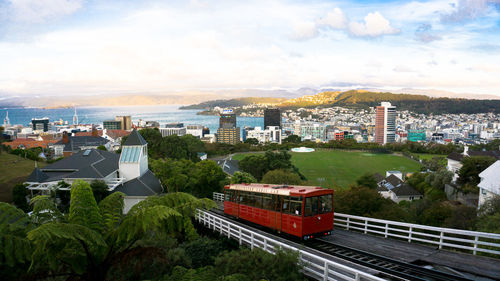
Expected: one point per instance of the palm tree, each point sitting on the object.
(93, 239)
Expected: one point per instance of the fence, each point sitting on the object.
(314, 266)
(448, 238)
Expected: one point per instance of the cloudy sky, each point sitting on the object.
(114, 46)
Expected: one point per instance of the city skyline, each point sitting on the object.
(88, 47)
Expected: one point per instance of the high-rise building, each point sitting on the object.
(272, 117)
(385, 123)
(228, 135)
(112, 124)
(40, 124)
(228, 132)
(227, 119)
(126, 122)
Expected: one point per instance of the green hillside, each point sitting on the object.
(234, 102)
(365, 99)
(13, 170)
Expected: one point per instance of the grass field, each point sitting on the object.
(13, 170)
(429, 156)
(337, 168)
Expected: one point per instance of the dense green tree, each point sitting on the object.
(211, 178)
(255, 265)
(358, 200)
(176, 175)
(242, 177)
(367, 180)
(434, 164)
(19, 193)
(255, 164)
(462, 217)
(102, 147)
(439, 178)
(100, 190)
(472, 167)
(292, 139)
(489, 216)
(193, 145)
(98, 239)
(252, 141)
(281, 177)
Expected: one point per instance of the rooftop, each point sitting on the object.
(280, 189)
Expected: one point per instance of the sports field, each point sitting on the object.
(336, 168)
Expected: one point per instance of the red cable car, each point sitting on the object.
(302, 211)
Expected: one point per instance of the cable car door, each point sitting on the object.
(277, 208)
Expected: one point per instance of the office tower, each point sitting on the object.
(126, 122)
(227, 119)
(272, 117)
(112, 124)
(385, 123)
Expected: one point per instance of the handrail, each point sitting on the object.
(449, 238)
(315, 266)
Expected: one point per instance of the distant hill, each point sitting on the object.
(234, 102)
(365, 99)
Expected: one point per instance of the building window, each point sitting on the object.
(483, 191)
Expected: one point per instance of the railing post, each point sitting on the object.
(265, 245)
(347, 223)
(239, 235)
(325, 274)
(386, 229)
(476, 239)
(251, 240)
(366, 226)
(441, 236)
(410, 233)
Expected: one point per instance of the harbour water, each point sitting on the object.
(96, 115)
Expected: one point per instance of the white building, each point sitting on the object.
(270, 134)
(489, 186)
(195, 130)
(173, 131)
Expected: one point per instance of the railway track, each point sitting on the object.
(383, 264)
(388, 268)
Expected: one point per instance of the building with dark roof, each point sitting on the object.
(127, 172)
(73, 144)
(455, 159)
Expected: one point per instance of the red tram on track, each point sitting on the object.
(302, 211)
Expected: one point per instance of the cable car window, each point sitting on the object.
(258, 200)
(267, 203)
(292, 206)
(243, 198)
(286, 205)
(325, 204)
(234, 196)
(311, 207)
(227, 196)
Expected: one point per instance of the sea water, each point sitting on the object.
(96, 115)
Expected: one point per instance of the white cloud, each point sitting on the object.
(37, 11)
(467, 10)
(374, 25)
(304, 30)
(335, 19)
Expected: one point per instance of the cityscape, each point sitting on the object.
(260, 140)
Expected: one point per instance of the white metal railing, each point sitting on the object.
(315, 266)
(450, 238)
(218, 197)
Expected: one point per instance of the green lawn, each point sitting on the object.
(335, 168)
(341, 168)
(429, 156)
(13, 169)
